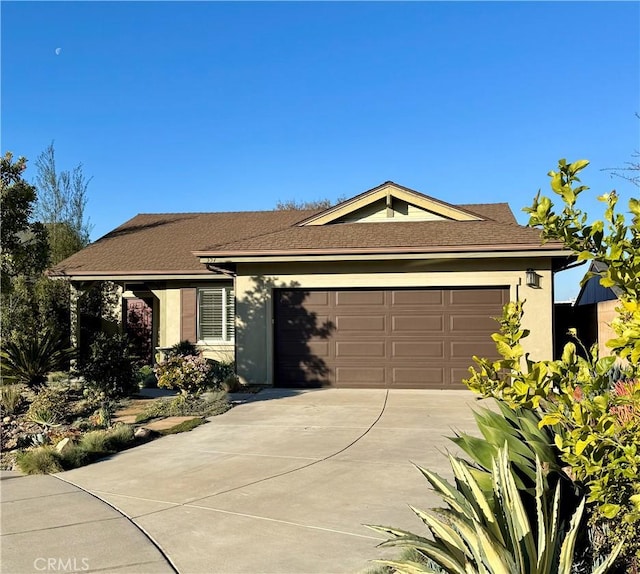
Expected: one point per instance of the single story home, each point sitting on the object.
(391, 288)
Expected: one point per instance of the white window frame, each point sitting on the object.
(228, 315)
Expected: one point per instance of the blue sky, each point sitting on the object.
(216, 106)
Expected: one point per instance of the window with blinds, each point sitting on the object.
(216, 315)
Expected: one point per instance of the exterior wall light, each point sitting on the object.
(533, 279)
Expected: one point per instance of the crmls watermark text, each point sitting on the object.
(61, 564)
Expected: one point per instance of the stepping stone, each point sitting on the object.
(128, 414)
(126, 419)
(167, 423)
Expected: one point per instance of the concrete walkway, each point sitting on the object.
(283, 483)
(49, 525)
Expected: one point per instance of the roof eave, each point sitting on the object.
(119, 275)
(500, 251)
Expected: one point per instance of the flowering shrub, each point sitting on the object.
(190, 374)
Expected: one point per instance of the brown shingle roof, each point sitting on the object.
(384, 236)
(165, 243)
(497, 211)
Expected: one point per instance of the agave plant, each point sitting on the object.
(28, 360)
(478, 534)
(519, 430)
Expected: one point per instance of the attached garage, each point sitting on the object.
(385, 338)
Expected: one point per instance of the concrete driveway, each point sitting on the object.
(284, 482)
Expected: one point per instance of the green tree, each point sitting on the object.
(611, 242)
(40, 226)
(61, 204)
(23, 244)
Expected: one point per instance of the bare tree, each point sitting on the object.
(61, 203)
(631, 169)
(301, 205)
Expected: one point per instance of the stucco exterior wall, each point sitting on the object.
(169, 306)
(169, 320)
(606, 311)
(255, 284)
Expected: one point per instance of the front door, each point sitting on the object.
(139, 327)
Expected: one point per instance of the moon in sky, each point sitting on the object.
(58, 50)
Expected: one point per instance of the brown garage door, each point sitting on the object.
(403, 338)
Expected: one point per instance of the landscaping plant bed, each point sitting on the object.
(62, 426)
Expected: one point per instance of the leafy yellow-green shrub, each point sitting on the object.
(591, 403)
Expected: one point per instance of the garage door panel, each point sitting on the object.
(293, 350)
(295, 375)
(404, 376)
(291, 325)
(316, 298)
(467, 349)
(373, 376)
(417, 298)
(361, 349)
(368, 324)
(472, 323)
(478, 297)
(359, 298)
(418, 350)
(432, 324)
(405, 338)
(458, 374)
(319, 348)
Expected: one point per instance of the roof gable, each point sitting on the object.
(391, 202)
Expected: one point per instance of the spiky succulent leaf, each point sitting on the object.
(608, 562)
(394, 534)
(568, 545)
(475, 496)
(544, 560)
(523, 543)
(494, 556)
(406, 567)
(519, 429)
(499, 534)
(480, 450)
(443, 533)
(28, 360)
(448, 492)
